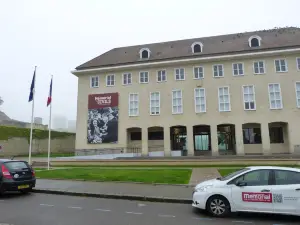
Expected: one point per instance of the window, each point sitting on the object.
(275, 98)
(285, 177)
(110, 80)
(249, 97)
(144, 53)
(154, 103)
(161, 76)
(259, 67)
(177, 102)
(127, 79)
(156, 135)
(94, 82)
(276, 135)
(144, 77)
(224, 99)
(179, 74)
(197, 47)
(218, 71)
(298, 94)
(252, 135)
(198, 72)
(254, 41)
(136, 136)
(298, 63)
(238, 69)
(280, 65)
(200, 100)
(255, 178)
(133, 104)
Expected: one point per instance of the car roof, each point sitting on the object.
(10, 160)
(274, 168)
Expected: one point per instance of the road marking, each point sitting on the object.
(1, 201)
(141, 205)
(46, 205)
(202, 218)
(103, 210)
(166, 216)
(239, 221)
(136, 213)
(74, 207)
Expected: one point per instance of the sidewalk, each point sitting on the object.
(133, 191)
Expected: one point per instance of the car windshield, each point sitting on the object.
(12, 166)
(231, 175)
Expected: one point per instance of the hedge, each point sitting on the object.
(11, 132)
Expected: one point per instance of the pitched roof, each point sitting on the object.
(276, 38)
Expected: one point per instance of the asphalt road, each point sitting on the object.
(42, 209)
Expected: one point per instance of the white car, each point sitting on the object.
(263, 189)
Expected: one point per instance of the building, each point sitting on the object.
(38, 120)
(60, 122)
(229, 94)
(72, 125)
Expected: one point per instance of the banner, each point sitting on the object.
(103, 118)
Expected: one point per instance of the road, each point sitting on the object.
(42, 209)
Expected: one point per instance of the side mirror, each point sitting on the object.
(241, 184)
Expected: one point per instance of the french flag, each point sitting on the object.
(49, 100)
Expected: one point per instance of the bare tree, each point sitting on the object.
(1, 101)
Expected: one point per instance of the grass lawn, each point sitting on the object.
(168, 176)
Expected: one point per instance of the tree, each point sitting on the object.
(1, 101)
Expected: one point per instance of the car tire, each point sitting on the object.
(218, 206)
(26, 191)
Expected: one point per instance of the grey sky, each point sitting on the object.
(58, 35)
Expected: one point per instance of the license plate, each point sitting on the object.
(23, 186)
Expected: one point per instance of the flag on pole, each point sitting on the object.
(32, 88)
(49, 100)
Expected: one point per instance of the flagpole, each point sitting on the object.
(49, 127)
(32, 120)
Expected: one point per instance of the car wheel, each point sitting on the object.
(26, 191)
(218, 206)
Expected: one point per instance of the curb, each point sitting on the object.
(115, 196)
(121, 182)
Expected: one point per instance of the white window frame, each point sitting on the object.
(123, 76)
(254, 99)
(146, 73)
(297, 98)
(264, 67)
(229, 101)
(270, 105)
(201, 103)
(181, 92)
(298, 63)
(243, 69)
(198, 67)
(175, 73)
(157, 76)
(114, 80)
(157, 113)
(138, 103)
(145, 49)
(286, 65)
(213, 70)
(91, 82)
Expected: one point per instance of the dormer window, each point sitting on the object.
(144, 53)
(197, 47)
(254, 41)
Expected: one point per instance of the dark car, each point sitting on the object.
(16, 175)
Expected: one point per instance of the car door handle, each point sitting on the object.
(265, 190)
(297, 189)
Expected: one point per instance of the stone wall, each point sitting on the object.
(20, 146)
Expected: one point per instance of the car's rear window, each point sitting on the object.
(16, 165)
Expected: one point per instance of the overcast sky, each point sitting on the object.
(58, 35)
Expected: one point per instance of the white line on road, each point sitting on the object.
(103, 210)
(166, 216)
(74, 207)
(136, 213)
(238, 221)
(202, 218)
(1, 200)
(46, 205)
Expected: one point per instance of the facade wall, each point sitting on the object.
(237, 116)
